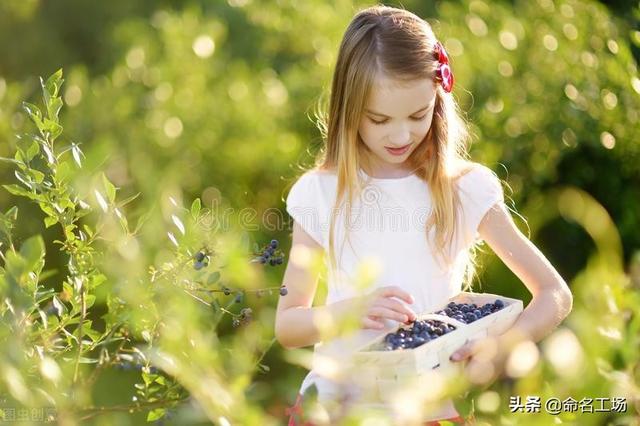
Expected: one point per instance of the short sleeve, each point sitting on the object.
(481, 189)
(304, 205)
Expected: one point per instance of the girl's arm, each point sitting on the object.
(552, 299)
(297, 323)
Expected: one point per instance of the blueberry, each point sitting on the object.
(470, 317)
(464, 309)
(274, 244)
(271, 251)
(273, 262)
(238, 298)
(448, 311)
(451, 305)
(226, 291)
(499, 304)
(478, 313)
(279, 260)
(198, 265)
(266, 254)
(200, 256)
(283, 291)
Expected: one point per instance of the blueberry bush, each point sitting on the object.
(59, 345)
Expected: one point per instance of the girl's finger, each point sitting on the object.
(380, 311)
(368, 322)
(397, 306)
(463, 353)
(394, 291)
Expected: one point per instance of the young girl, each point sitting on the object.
(393, 187)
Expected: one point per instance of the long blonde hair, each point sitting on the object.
(382, 40)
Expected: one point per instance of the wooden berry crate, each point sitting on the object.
(380, 368)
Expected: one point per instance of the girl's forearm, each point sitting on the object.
(298, 326)
(542, 315)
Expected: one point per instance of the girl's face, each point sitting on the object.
(396, 119)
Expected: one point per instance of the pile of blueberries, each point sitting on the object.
(470, 312)
(423, 331)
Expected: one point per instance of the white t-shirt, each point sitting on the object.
(388, 228)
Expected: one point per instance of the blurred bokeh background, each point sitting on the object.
(215, 99)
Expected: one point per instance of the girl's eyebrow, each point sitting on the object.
(382, 115)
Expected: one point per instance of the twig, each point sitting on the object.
(95, 411)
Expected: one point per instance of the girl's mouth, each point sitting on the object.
(398, 151)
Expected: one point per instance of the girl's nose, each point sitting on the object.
(400, 136)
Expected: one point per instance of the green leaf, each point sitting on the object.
(35, 115)
(141, 220)
(53, 128)
(51, 87)
(51, 158)
(32, 251)
(213, 278)
(50, 221)
(63, 172)
(90, 299)
(156, 414)
(53, 108)
(20, 191)
(32, 150)
(85, 360)
(59, 306)
(195, 208)
(11, 160)
(36, 175)
(109, 188)
(12, 214)
(128, 200)
(77, 154)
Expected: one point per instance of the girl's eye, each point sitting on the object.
(384, 121)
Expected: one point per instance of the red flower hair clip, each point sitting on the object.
(443, 72)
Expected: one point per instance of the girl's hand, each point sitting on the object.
(384, 304)
(486, 358)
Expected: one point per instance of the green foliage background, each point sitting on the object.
(214, 100)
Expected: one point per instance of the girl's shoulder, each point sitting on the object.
(317, 175)
(466, 171)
